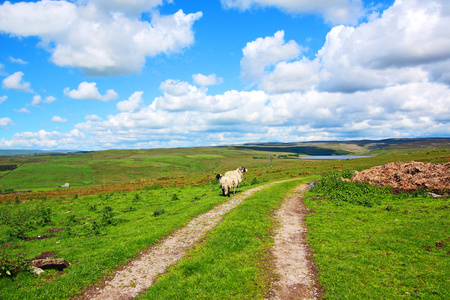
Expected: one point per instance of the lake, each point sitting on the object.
(334, 157)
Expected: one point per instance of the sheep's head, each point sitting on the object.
(218, 176)
(243, 169)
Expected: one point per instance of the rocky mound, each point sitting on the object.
(408, 176)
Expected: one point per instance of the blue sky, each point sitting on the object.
(103, 74)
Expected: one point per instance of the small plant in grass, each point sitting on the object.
(175, 197)
(92, 207)
(16, 232)
(136, 198)
(95, 227)
(12, 265)
(158, 212)
(254, 181)
(107, 215)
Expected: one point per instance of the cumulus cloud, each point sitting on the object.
(132, 104)
(205, 80)
(15, 82)
(5, 122)
(88, 91)
(46, 140)
(263, 53)
(3, 99)
(407, 43)
(37, 100)
(23, 110)
(334, 11)
(58, 119)
(102, 38)
(92, 118)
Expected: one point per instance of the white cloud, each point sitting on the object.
(5, 122)
(409, 39)
(132, 104)
(263, 53)
(92, 118)
(15, 82)
(3, 99)
(37, 100)
(58, 119)
(407, 43)
(23, 110)
(18, 60)
(102, 38)
(334, 11)
(89, 91)
(205, 80)
(46, 140)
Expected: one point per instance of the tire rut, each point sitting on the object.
(294, 268)
(140, 273)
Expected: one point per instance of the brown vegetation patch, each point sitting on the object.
(408, 176)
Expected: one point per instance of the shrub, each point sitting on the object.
(107, 215)
(158, 212)
(254, 181)
(10, 266)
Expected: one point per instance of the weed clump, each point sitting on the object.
(340, 192)
(12, 265)
(158, 212)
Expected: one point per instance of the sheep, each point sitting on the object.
(237, 176)
(226, 183)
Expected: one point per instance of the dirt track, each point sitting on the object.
(293, 262)
(139, 274)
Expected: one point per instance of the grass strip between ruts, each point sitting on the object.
(234, 259)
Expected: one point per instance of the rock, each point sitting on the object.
(57, 263)
(37, 271)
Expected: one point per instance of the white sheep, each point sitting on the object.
(237, 176)
(226, 183)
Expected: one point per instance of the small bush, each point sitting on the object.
(158, 212)
(175, 197)
(254, 181)
(107, 215)
(10, 266)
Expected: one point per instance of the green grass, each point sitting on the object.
(233, 262)
(99, 234)
(384, 250)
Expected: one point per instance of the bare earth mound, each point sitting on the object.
(408, 176)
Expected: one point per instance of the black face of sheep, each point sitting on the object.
(243, 169)
(218, 176)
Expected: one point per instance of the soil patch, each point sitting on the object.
(295, 269)
(408, 176)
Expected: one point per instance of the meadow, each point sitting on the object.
(368, 243)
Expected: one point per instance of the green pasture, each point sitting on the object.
(371, 244)
(96, 234)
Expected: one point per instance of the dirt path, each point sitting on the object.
(292, 258)
(139, 274)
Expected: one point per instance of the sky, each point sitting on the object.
(139, 74)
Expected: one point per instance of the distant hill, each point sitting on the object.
(348, 147)
(14, 152)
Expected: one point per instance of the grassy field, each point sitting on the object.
(367, 243)
(371, 244)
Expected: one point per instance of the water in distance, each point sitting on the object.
(334, 157)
